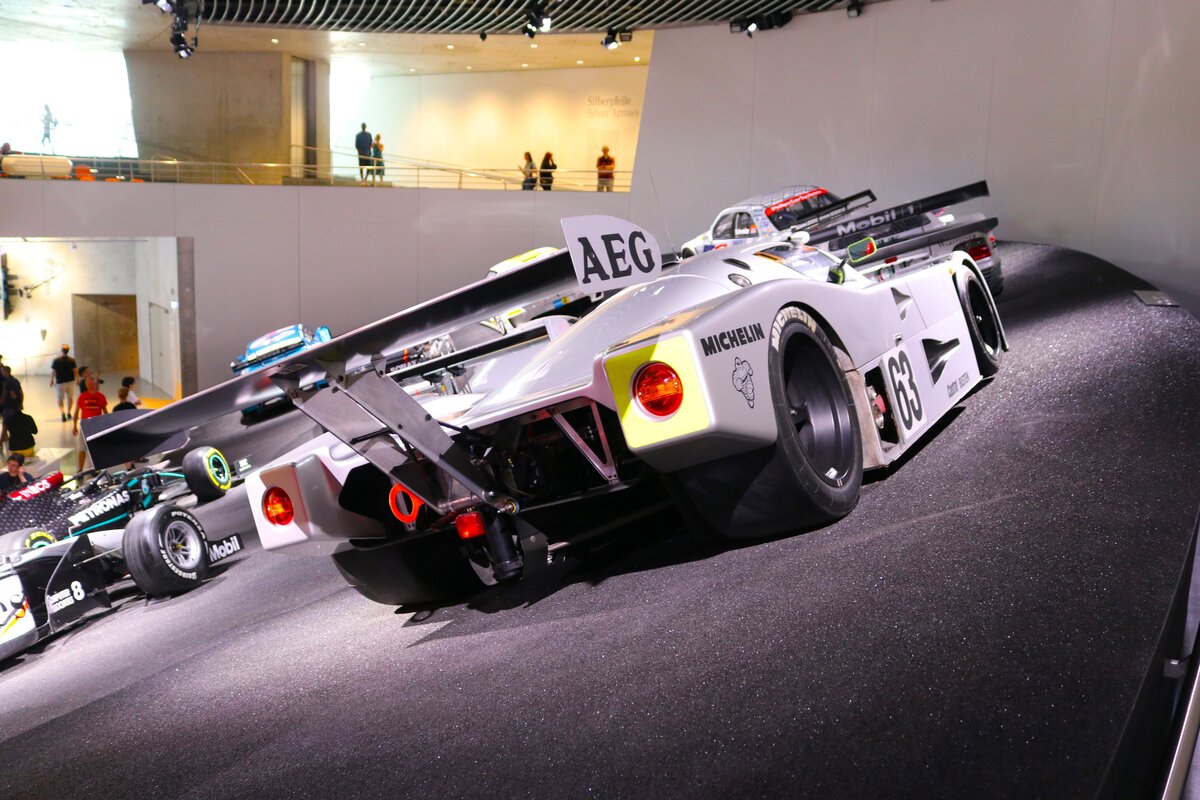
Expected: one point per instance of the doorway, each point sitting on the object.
(106, 333)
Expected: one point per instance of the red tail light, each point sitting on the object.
(980, 252)
(658, 389)
(277, 506)
(469, 525)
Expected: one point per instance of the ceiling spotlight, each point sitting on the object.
(545, 24)
(637, 58)
(530, 30)
(274, 41)
(855, 9)
(483, 36)
(610, 41)
(580, 61)
(533, 45)
(449, 47)
(538, 15)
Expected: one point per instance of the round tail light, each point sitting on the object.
(277, 506)
(658, 389)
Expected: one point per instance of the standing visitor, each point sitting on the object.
(605, 165)
(528, 173)
(48, 124)
(123, 401)
(547, 173)
(377, 159)
(362, 143)
(12, 398)
(91, 404)
(63, 375)
(127, 383)
(21, 429)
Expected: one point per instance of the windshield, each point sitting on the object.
(789, 211)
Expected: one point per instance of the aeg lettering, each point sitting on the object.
(610, 253)
(727, 340)
(100, 507)
(643, 257)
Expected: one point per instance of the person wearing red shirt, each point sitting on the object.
(90, 404)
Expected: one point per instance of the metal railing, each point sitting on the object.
(332, 168)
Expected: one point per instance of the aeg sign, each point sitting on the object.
(610, 253)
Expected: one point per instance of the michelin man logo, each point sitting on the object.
(743, 379)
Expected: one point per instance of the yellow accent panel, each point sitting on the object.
(641, 429)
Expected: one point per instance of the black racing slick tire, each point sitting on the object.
(207, 473)
(166, 551)
(982, 323)
(812, 475)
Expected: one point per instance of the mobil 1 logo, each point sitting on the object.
(610, 253)
(909, 408)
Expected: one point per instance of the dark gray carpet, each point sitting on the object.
(978, 627)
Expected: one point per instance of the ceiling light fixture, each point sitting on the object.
(274, 41)
(449, 47)
(580, 61)
(533, 45)
(763, 22)
(537, 16)
(183, 12)
(855, 9)
(637, 58)
(483, 36)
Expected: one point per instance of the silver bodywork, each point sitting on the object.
(873, 323)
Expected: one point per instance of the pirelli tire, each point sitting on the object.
(812, 475)
(208, 473)
(982, 322)
(166, 551)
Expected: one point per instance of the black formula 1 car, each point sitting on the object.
(68, 540)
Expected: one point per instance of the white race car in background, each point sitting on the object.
(829, 222)
(754, 383)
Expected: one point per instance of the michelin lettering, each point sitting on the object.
(727, 340)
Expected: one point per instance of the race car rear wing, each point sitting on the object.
(377, 346)
(842, 207)
(963, 230)
(863, 225)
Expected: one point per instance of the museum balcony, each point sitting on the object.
(309, 167)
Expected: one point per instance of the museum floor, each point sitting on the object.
(979, 626)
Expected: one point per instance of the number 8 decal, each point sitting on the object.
(908, 397)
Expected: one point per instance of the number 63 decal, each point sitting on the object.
(904, 385)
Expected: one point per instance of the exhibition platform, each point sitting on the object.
(991, 620)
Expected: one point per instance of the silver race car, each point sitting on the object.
(751, 385)
(830, 222)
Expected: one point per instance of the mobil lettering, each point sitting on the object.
(610, 253)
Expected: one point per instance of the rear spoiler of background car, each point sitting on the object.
(864, 223)
(834, 210)
(978, 227)
(376, 344)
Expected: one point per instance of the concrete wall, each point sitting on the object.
(268, 256)
(1081, 114)
(489, 120)
(215, 106)
(42, 322)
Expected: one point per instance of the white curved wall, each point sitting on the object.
(1083, 115)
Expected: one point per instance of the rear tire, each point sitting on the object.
(404, 573)
(207, 473)
(813, 473)
(166, 551)
(982, 323)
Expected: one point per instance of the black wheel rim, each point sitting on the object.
(817, 408)
(985, 321)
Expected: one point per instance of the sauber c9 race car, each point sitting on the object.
(68, 541)
(751, 385)
(830, 223)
